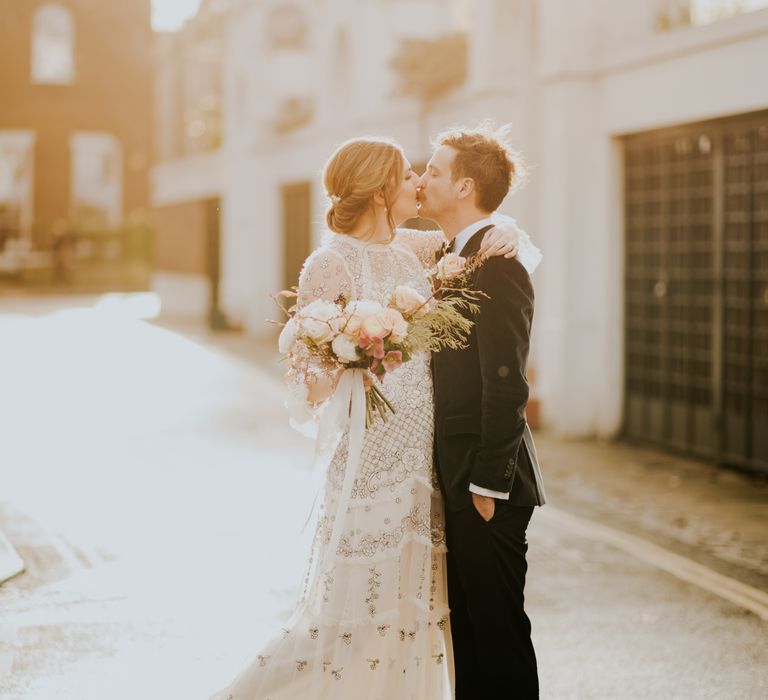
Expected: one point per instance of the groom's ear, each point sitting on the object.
(465, 187)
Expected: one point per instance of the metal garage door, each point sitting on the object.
(696, 222)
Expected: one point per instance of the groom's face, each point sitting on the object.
(438, 192)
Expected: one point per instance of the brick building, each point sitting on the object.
(75, 114)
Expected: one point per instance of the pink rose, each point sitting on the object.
(356, 312)
(352, 326)
(374, 328)
(394, 322)
(374, 348)
(392, 360)
(450, 265)
(408, 300)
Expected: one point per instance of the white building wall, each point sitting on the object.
(620, 80)
(353, 92)
(573, 77)
(195, 177)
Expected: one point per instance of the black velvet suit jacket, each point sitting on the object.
(481, 434)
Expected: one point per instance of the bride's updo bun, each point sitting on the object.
(356, 171)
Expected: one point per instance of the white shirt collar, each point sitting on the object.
(465, 234)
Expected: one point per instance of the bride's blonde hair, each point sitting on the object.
(358, 170)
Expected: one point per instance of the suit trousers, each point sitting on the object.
(493, 652)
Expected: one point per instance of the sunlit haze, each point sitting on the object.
(169, 15)
(167, 167)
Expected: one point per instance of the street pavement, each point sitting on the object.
(156, 494)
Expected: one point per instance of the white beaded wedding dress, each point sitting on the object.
(372, 622)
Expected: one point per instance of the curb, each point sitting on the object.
(738, 593)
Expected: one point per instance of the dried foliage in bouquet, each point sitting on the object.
(328, 337)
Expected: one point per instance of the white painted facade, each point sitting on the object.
(573, 77)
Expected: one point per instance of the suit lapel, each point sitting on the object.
(470, 248)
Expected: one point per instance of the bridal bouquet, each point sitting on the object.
(328, 337)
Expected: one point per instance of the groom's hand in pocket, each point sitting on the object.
(485, 505)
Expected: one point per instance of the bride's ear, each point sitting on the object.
(379, 199)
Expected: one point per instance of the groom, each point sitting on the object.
(485, 457)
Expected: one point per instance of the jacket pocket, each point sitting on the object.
(465, 424)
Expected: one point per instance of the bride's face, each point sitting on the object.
(404, 204)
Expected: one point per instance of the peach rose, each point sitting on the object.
(394, 322)
(374, 327)
(408, 300)
(451, 265)
(356, 312)
(352, 325)
(373, 348)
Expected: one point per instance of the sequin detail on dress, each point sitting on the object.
(363, 625)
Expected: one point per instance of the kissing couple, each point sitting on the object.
(415, 585)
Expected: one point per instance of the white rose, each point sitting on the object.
(408, 300)
(363, 308)
(356, 312)
(287, 338)
(345, 348)
(316, 330)
(322, 309)
(316, 320)
(339, 323)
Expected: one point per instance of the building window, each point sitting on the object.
(16, 155)
(53, 46)
(97, 180)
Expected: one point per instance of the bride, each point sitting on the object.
(373, 620)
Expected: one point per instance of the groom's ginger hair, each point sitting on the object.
(484, 154)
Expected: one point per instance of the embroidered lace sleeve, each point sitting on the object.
(424, 244)
(324, 276)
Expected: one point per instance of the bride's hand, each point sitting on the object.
(323, 386)
(500, 240)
